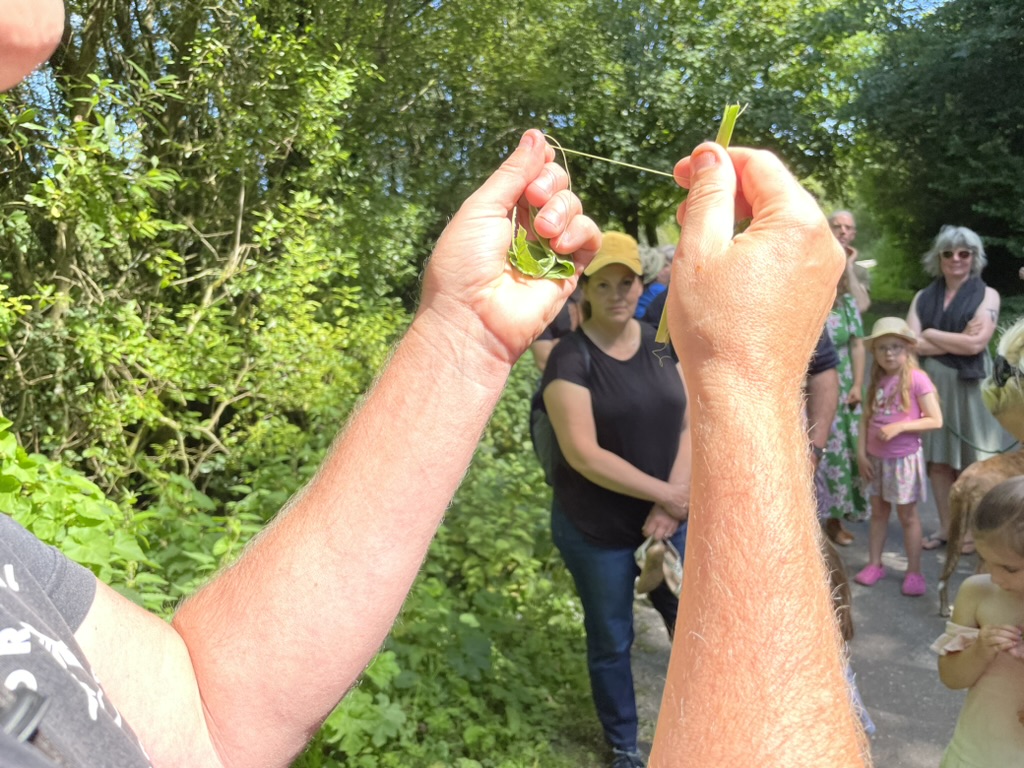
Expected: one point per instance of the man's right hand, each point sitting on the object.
(750, 307)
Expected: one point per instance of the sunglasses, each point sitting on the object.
(962, 253)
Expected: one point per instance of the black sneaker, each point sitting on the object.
(622, 759)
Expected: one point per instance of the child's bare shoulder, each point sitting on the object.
(973, 593)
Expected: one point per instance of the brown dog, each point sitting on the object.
(973, 483)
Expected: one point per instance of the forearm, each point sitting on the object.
(858, 291)
(962, 670)
(822, 401)
(681, 469)
(778, 696)
(541, 350)
(611, 471)
(279, 638)
(955, 343)
(858, 359)
(923, 424)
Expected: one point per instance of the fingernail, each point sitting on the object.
(527, 141)
(554, 218)
(703, 160)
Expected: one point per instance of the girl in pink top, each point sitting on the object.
(900, 404)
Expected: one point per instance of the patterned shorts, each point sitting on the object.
(899, 480)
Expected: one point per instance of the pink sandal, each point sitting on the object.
(870, 575)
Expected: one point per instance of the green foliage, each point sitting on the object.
(941, 130)
(62, 507)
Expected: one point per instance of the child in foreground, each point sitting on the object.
(981, 649)
(901, 403)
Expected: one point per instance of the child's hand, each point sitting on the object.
(864, 465)
(1018, 650)
(889, 431)
(1000, 637)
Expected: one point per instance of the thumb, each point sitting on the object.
(507, 184)
(708, 215)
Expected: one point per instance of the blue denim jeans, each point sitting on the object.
(604, 580)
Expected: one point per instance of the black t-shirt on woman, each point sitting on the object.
(638, 407)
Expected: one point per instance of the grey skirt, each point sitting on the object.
(969, 432)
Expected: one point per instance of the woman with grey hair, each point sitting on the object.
(954, 319)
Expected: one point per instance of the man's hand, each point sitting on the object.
(29, 32)
(469, 282)
(754, 305)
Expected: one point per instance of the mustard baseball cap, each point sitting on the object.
(616, 248)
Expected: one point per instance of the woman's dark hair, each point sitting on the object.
(1002, 509)
(585, 309)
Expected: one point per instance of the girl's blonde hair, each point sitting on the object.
(877, 373)
(1002, 509)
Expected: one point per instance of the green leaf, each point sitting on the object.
(535, 259)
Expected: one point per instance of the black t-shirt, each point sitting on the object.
(638, 407)
(824, 356)
(44, 597)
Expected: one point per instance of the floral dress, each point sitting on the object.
(844, 497)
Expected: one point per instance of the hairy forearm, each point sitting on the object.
(778, 696)
(277, 639)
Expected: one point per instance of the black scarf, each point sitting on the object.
(954, 319)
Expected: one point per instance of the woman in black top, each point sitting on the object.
(618, 410)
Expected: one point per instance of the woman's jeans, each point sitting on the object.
(604, 579)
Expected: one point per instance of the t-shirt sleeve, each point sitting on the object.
(921, 384)
(824, 357)
(70, 587)
(567, 362)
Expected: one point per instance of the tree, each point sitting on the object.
(940, 123)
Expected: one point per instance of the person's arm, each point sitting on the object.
(976, 336)
(858, 359)
(822, 403)
(254, 662)
(572, 418)
(857, 289)
(962, 669)
(29, 32)
(924, 347)
(679, 477)
(541, 350)
(756, 672)
(931, 418)
(863, 462)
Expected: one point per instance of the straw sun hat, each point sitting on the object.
(891, 326)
